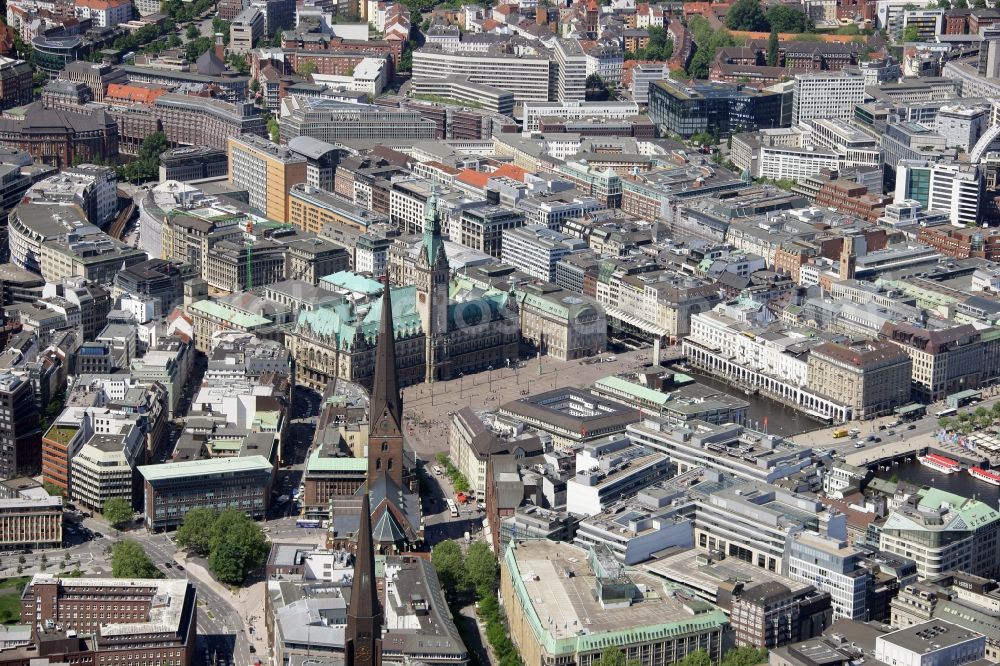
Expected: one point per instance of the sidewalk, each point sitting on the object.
(248, 602)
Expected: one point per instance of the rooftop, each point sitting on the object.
(205, 468)
(555, 583)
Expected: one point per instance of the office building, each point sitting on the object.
(20, 435)
(267, 171)
(945, 360)
(199, 121)
(725, 108)
(105, 468)
(833, 567)
(123, 620)
(332, 120)
(944, 532)
(933, 643)
(961, 125)
(825, 95)
(609, 470)
(313, 210)
(719, 448)
(770, 614)
(466, 93)
(571, 78)
(561, 323)
(535, 249)
(61, 138)
(15, 83)
(93, 188)
(193, 164)
(245, 30)
(29, 522)
(959, 598)
(483, 228)
(532, 113)
(873, 378)
(173, 489)
(526, 76)
(947, 187)
(545, 626)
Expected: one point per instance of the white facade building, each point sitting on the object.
(536, 249)
(831, 566)
(933, 643)
(826, 95)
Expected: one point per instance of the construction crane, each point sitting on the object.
(267, 224)
(249, 255)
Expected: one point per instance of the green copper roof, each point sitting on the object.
(242, 320)
(974, 513)
(319, 463)
(353, 282)
(621, 386)
(340, 321)
(712, 620)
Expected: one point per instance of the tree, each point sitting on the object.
(195, 533)
(117, 511)
(911, 34)
(960, 4)
(447, 560)
(697, 658)
(772, 48)
(274, 129)
(481, 569)
(979, 4)
(192, 32)
(228, 563)
(306, 69)
(52, 489)
(744, 656)
(173, 41)
(786, 19)
(849, 30)
(237, 547)
(746, 15)
(613, 656)
(129, 560)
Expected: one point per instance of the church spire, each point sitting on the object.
(363, 636)
(385, 383)
(432, 243)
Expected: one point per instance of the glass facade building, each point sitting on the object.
(713, 107)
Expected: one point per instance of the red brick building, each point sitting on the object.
(96, 621)
(61, 138)
(852, 199)
(15, 83)
(963, 243)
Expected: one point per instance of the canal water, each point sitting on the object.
(785, 421)
(959, 483)
(781, 419)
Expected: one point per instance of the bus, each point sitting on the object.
(951, 411)
(453, 508)
(307, 522)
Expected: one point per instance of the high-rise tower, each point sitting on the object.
(433, 275)
(363, 636)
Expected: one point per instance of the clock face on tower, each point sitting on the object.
(364, 653)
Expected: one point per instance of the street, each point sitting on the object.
(923, 429)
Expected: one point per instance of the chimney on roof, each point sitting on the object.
(220, 47)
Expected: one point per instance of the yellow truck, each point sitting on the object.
(840, 432)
